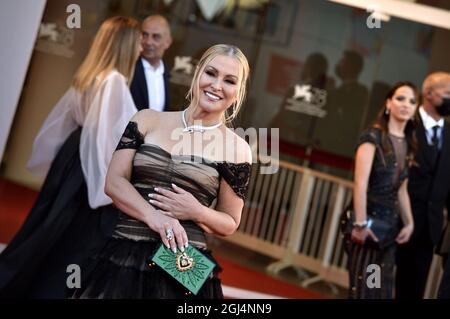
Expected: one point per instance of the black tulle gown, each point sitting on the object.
(121, 269)
(61, 229)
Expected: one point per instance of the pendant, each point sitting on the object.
(196, 128)
(184, 262)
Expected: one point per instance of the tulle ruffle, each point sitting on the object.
(121, 271)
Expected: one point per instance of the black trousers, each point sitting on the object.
(413, 265)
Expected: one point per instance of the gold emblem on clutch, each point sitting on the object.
(184, 262)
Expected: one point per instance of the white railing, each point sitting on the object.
(293, 216)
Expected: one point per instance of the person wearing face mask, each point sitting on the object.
(429, 187)
(150, 85)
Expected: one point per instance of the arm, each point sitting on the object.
(128, 200)
(121, 191)
(363, 167)
(405, 214)
(53, 133)
(180, 204)
(109, 112)
(225, 219)
(405, 204)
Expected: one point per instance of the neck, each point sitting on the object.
(396, 128)
(349, 80)
(431, 111)
(197, 116)
(153, 62)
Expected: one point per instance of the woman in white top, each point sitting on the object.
(73, 216)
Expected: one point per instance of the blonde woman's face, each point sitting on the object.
(219, 84)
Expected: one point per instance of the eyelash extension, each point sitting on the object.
(211, 73)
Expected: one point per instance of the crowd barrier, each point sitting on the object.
(293, 217)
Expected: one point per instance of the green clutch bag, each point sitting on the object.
(190, 268)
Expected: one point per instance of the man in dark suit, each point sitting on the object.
(150, 83)
(429, 185)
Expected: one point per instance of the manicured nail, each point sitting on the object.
(173, 185)
(150, 195)
(156, 189)
(152, 201)
(182, 249)
(186, 244)
(174, 250)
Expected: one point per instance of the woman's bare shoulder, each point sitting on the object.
(145, 120)
(151, 120)
(243, 151)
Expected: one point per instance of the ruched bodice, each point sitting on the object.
(389, 168)
(122, 268)
(155, 167)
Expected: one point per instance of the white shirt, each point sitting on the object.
(429, 123)
(103, 113)
(155, 85)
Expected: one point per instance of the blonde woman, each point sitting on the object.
(72, 215)
(174, 195)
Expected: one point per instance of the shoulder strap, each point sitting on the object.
(237, 176)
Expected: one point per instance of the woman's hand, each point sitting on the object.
(178, 204)
(359, 235)
(171, 232)
(405, 234)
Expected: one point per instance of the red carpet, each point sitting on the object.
(16, 201)
(237, 276)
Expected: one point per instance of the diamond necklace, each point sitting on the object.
(196, 128)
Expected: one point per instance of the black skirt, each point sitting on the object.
(60, 230)
(122, 271)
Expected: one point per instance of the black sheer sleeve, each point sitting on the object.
(131, 137)
(371, 135)
(237, 176)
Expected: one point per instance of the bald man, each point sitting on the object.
(428, 187)
(149, 87)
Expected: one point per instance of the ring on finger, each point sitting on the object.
(169, 234)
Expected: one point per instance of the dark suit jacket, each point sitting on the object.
(139, 90)
(428, 189)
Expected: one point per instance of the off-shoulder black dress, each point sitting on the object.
(121, 269)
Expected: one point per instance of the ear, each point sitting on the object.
(168, 42)
(388, 104)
